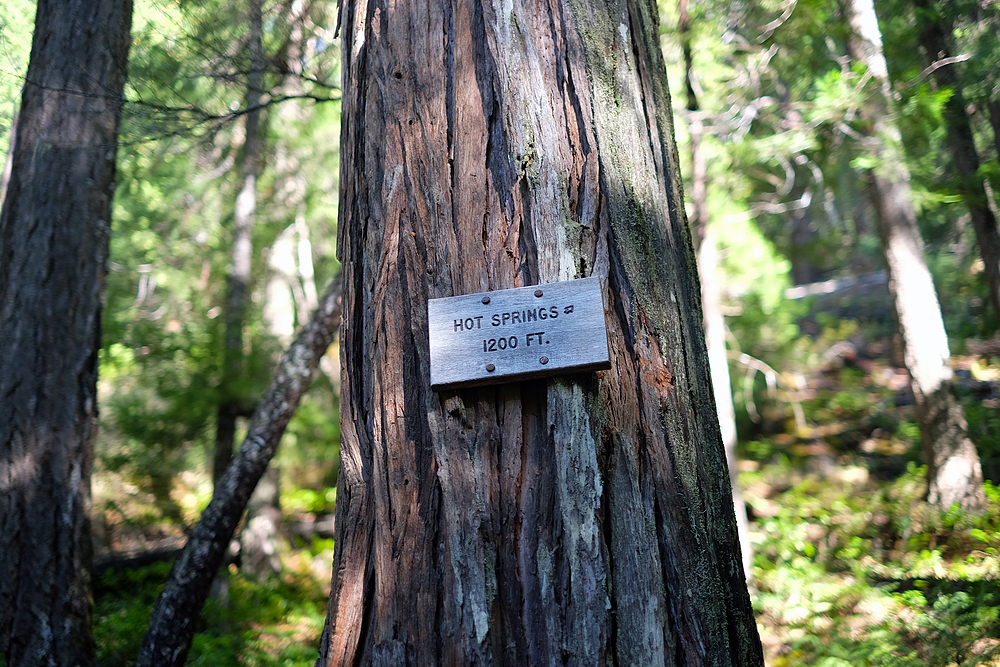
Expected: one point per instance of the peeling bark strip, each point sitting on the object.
(178, 608)
(583, 520)
(54, 232)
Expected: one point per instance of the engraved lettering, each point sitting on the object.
(494, 344)
(568, 342)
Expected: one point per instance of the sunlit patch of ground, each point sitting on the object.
(851, 565)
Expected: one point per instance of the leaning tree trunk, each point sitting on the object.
(580, 520)
(962, 145)
(953, 471)
(178, 609)
(54, 231)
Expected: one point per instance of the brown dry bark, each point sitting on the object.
(583, 520)
(54, 232)
(178, 608)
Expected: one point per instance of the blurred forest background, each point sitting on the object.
(851, 566)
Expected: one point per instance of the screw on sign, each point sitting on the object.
(495, 337)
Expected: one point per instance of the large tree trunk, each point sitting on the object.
(953, 471)
(54, 232)
(232, 401)
(962, 145)
(581, 520)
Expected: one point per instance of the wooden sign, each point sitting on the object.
(515, 334)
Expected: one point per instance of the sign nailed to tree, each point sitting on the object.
(515, 334)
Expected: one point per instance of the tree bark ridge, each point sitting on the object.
(579, 519)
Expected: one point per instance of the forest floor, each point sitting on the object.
(851, 566)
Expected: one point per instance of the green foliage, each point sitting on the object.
(309, 500)
(854, 571)
(123, 606)
(17, 20)
(160, 364)
(984, 429)
(170, 247)
(276, 624)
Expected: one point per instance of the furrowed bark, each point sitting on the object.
(178, 608)
(54, 231)
(582, 520)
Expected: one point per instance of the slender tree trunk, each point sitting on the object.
(582, 520)
(962, 145)
(953, 471)
(179, 606)
(715, 338)
(994, 110)
(802, 243)
(711, 289)
(9, 162)
(54, 232)
(232, 399)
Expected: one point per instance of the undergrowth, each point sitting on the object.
(276, 623)
(851, 566)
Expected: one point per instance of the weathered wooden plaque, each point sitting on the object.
(515, 334)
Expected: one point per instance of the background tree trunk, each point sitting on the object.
(953, 471)
(711, 289)
(232, 400)
(962, 145)
(54, 232)
(581, 520)
(9, 161)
